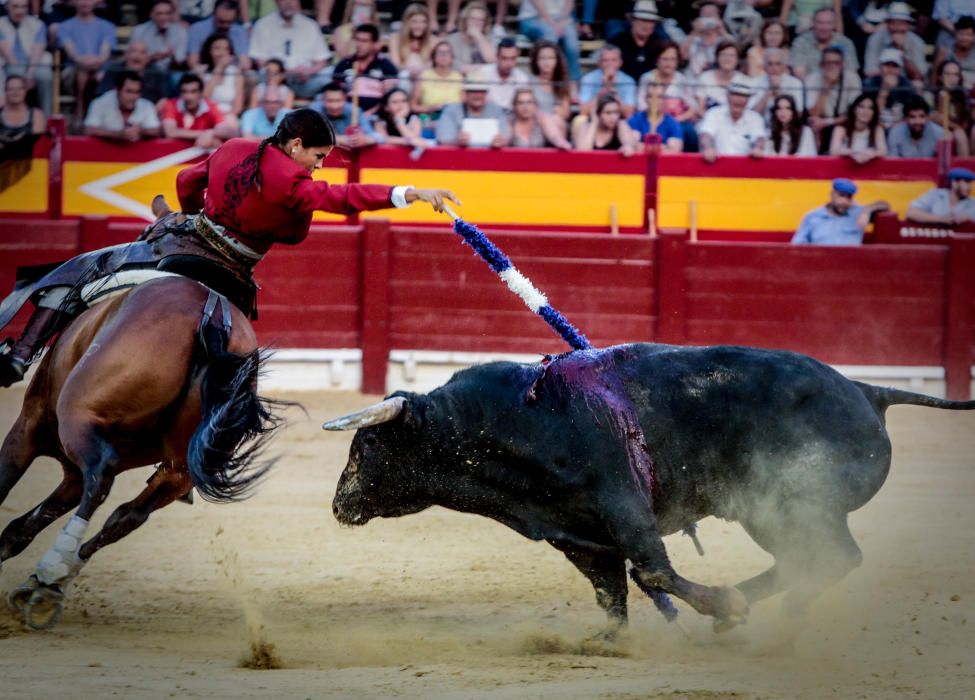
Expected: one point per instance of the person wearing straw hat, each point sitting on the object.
(732, 129)
(841, 221)
(639, 45)
(896, 34)
(475, 121)
(949, 205)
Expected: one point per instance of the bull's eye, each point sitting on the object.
(370, 441)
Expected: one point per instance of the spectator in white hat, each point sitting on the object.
(732, 129)
(897, 34)
(639, 45)
(475, 121)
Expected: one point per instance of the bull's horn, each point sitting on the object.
(373, 415)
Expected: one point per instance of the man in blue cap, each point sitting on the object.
(950, 205)
(840, 222)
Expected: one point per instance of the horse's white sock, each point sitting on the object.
(62, 561)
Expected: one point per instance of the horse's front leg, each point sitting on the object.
(99, 463)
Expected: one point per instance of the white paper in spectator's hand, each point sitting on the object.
(482, 131)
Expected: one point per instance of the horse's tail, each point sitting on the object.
(224, 453)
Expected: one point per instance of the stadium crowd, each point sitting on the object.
(862, 79)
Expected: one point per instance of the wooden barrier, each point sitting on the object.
(378, 287)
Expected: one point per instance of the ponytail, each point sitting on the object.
(256, 175)
(310, 125)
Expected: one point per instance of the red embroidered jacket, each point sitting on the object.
(277, 212)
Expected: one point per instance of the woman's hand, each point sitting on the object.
(436, 198)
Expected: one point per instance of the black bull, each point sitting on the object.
(603, 453)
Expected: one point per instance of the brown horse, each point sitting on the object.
(145, 378)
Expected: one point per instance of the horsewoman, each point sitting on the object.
(236, 204)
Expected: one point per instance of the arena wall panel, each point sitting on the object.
(420, 288)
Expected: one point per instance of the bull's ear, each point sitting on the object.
(413, 413)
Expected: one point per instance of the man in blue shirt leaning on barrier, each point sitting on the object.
(840, 222)
(950, 206)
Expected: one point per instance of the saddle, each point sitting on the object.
(171, 245)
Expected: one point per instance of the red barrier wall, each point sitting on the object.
(418, 288)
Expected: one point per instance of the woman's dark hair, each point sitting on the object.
(606, 100)
(206, 51)
(311, 126)
(666, 45)
(12, 77)
(851, 118)
(793, 128)
(959, 109)
(725, 44)
(560, 76)
(276, 61)
(435, 47)
(392, 128)
(771, 23)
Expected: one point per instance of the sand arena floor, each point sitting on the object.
(445, 605)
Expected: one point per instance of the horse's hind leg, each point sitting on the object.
(169, 483)
(18, 452)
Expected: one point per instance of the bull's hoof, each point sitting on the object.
(732, 610)
(44, 608)
(723, 624)
(609, 635)
(20, 596)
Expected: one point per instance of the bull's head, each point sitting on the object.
(387, 460)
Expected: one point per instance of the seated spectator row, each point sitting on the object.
(668, 70)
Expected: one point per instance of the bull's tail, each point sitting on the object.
(224, 453)
(883, 397)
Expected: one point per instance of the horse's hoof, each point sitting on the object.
(44, 608)
(19, 597)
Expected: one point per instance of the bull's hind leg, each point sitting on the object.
(633, 526)
(813, 549)
(169, 483)
(607, 573)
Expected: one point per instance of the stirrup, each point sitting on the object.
(12, 369)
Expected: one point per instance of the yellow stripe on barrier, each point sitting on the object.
(568, 199)
(141, 190)
(29, 194)
(754, 204)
